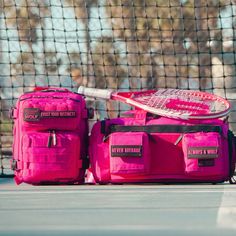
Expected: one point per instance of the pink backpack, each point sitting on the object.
(143, 148)
(50, 137)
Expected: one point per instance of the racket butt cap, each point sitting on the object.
(81, 90)
(96, 93)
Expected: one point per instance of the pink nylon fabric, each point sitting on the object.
(135, 157)
(50, 137)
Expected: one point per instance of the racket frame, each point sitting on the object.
(127, 97)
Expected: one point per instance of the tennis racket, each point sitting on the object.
(173, 103)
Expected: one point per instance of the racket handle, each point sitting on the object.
(97, 93)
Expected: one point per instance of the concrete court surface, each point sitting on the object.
(151, 209)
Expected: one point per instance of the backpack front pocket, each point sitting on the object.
(129, 153)
(203, 154)
(51, 113)
(51, 155)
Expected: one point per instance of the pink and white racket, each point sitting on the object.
(173, 103)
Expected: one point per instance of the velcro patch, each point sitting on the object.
(35, 114)
(126, 151)
(203, 152)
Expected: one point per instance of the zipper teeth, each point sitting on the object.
(73, 99)
(23, 99)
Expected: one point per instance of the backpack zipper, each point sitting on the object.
(52, 139)
(55, 97)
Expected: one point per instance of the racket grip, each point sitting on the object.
(97, 93)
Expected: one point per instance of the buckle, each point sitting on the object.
(85, 163)
(14, 164)
(90, 111)
(12, 113)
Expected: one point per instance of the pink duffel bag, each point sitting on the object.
(50, 137)
(142, 148)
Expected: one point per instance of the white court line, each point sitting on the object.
(226, 217)
(90, 228)
(157, 191)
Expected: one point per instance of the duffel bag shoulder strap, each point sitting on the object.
(165, 128)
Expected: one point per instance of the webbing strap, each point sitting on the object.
(165, 128)
(13, 113)
(232, 148)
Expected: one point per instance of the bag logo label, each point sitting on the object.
(206, 162)
(31, 114)
(126, 151)
(203, 152)
(35, 114)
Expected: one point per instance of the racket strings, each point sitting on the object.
(177, 100)
(182, 102)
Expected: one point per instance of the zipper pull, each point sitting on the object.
(178, 139)
(54, 138)
(49, 140)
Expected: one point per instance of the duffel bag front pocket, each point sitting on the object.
(203, 153)
(52, 156)
(129, 153)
